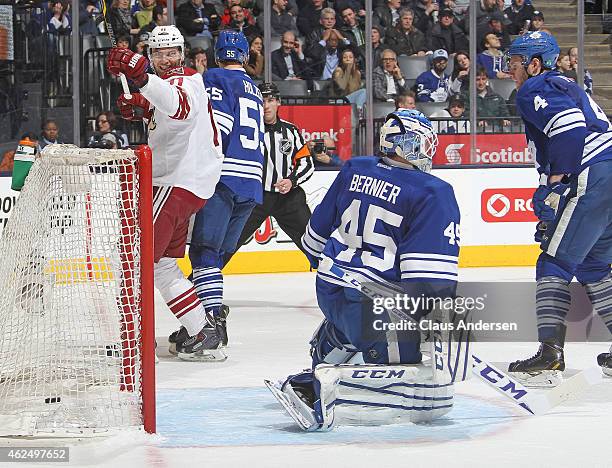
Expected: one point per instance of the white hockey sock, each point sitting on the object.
(180, 295)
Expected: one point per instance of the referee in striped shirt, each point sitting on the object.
(287, 164)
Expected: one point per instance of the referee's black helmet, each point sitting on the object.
(269, 89)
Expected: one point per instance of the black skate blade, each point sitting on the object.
(208, 355)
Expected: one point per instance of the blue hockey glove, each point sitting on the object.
(540, 231)
(546, 200)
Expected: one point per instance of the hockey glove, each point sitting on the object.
(136, 108)
(132, 65)
(540, 231)
(546, 200)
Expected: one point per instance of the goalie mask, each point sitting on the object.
(409, 135)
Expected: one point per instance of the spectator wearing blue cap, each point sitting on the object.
(432, 85)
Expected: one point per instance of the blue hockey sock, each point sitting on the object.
(600, 295)
(553, 301)
(208, 284)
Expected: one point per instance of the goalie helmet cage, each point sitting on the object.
(77, 344)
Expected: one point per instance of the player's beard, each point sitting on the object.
(165, 66)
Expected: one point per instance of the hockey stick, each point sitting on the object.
(526, 399)
(113, 40)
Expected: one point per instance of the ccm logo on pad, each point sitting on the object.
(507, 205)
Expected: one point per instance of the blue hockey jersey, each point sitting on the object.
(238, 112)
(492, 64)
(386, 223)
(564, 126)
(431, 87)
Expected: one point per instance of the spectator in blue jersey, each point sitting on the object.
(405, 38)
(570, 137)
(492, 59)
(387, 78)
(433, 85)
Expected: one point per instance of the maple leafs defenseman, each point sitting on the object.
(572, 140)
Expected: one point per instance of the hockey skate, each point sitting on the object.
(175, 337)
(542, 370)
(221, 323)
(205, 346)
(605, 361)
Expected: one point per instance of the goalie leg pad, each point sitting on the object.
(381, 394)
(329, 346)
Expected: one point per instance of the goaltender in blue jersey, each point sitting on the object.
(385, 221)
(572, 141)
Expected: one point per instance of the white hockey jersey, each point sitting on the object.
(182, 134)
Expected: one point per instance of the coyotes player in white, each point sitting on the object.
(186, 168)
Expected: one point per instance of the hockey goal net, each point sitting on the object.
(76, 297)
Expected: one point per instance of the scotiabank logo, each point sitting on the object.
(503, 156)
(453, 153)
(507, 205)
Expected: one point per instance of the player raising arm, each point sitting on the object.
(186, 168)
(389, 223)
(572, 139)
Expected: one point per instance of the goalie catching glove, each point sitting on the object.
(132, 65)
(135, 107)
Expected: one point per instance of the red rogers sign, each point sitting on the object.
(507, 205)
(492, 149)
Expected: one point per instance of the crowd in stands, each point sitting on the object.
(321, 40)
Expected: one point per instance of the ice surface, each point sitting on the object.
(220, 414)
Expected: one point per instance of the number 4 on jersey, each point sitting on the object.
(539, 103)
(452, 232)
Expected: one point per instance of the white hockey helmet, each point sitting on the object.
(166, 36)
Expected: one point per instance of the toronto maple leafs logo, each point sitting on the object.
(535, 35)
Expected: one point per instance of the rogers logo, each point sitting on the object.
(452, 153)
(507, 205)
(498, 205)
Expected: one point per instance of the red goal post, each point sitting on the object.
(77, 331)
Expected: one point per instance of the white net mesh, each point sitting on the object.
(70, 359)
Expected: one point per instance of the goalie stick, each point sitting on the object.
(526, 399)
(113, 41)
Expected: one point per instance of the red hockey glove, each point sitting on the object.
(132, 65)
(136, 108)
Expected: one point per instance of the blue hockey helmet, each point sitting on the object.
(535, 44)
(231, 46)
(409, 134)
